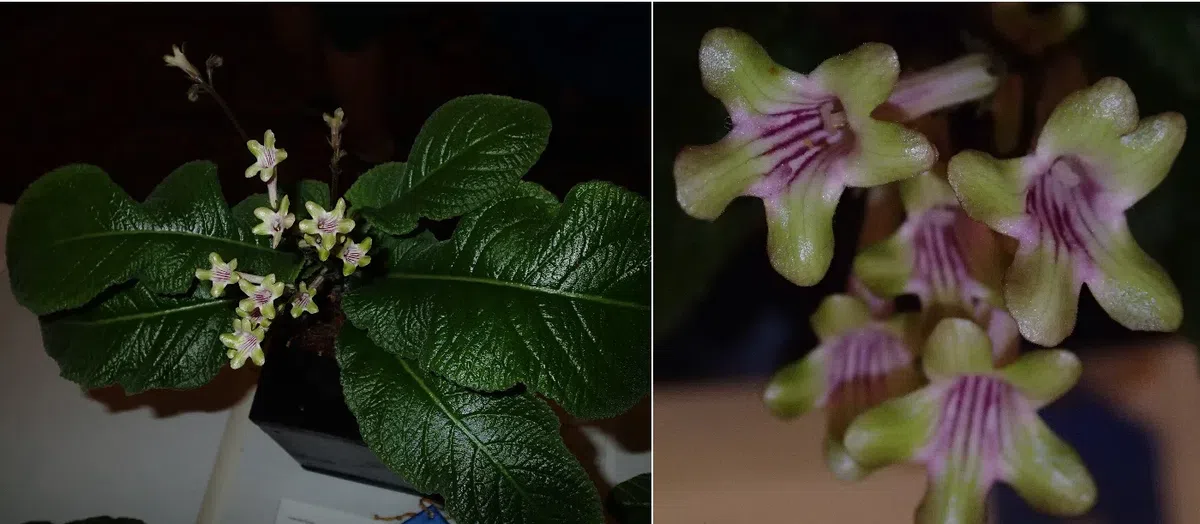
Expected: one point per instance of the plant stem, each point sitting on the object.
(253, 279)
(208, 88)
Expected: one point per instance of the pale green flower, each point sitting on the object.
(1065, 204)
(303, 301)
(274, 222)
(797, 141)
(860, 362)
(354, 255)
(255, 316)
(244, 343)
(266, 157)
(327, 225)
(974, 425)
(180, 60)
(261, 296)
(220, 275)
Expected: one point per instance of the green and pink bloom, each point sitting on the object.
(954, 265)
(274, 222)
(261, 296)
(797, 141)
(975, 425)
(244, 343)
(266, 157)
(220, 274)
(859, 363)
(255, 317)
(1065, 205)
(326, 226)
(354, 255)
(303, 301)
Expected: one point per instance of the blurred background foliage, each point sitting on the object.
(722, 312)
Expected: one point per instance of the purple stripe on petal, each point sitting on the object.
(1063, 202)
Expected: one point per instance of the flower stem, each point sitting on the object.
(963, 80)
(208, 88)
(253, 279)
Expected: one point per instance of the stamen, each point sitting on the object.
(800, 140)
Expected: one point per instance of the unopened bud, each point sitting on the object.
(193, 93)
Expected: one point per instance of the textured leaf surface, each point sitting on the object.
(378, 187)
(496, 458)
(629, 501)
(555, 296)
(74, 233)
(471, 150)
(140, 340)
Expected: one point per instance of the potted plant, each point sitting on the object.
(450, 350)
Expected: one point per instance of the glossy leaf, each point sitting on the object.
(496, 458)
(74, 233)
(378, 187)
(555, 296)
(140, 340)
(629, 501)
(471, 150)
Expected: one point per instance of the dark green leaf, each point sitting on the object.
(496, 458)
(629, 501)
(74, 233)
(526, 291)
(140, 340)
(471, 150)
(378, 187)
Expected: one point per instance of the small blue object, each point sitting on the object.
(429, 514)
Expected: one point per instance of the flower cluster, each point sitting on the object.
(968, 412)
(326, 231)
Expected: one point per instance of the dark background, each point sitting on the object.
(87, 83)
(721, 312)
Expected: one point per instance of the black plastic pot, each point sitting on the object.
(299, 403)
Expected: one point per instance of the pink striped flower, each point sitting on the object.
(859, 363)
(261, 296)
(244, 343)
(953, 264)
(220, 274)
(274, 222)
(1065, 204)
(797, 141)
(266, 157)
(974, 425)
(354, 255)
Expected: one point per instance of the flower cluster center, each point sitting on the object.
(800, 140)
(269, 159)
(1062, 202)
(327, 224)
